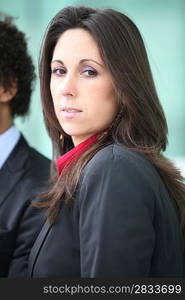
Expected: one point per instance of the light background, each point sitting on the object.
(162, 24)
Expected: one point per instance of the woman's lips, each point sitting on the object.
(69, 112)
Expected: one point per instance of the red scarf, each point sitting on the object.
(74, 153)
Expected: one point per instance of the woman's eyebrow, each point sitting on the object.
(81, 61)
(89, 59)
(58, 61)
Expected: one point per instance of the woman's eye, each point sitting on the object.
(90, 72)
(58, 71)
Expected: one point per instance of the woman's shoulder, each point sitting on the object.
(117, 160)
(120, 172)
(114, 154)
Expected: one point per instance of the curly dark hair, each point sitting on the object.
(15, 65)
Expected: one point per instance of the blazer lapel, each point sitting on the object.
(13, 169)
(36, 248)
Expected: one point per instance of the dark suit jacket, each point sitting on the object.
(122, 224)
(21, 177)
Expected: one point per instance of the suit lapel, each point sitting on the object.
(13, 169)
(36, 248)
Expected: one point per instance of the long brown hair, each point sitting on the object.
(141, 125)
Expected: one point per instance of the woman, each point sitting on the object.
(117, 206)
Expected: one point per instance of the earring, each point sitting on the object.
(61, 140)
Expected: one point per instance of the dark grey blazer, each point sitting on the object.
(21, 177)
(122, 224)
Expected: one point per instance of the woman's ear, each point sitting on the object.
(6, 95)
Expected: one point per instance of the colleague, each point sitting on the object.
(117, 205)
(23, 171)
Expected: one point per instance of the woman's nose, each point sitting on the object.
(68, 85)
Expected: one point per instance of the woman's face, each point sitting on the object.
(81, 86)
